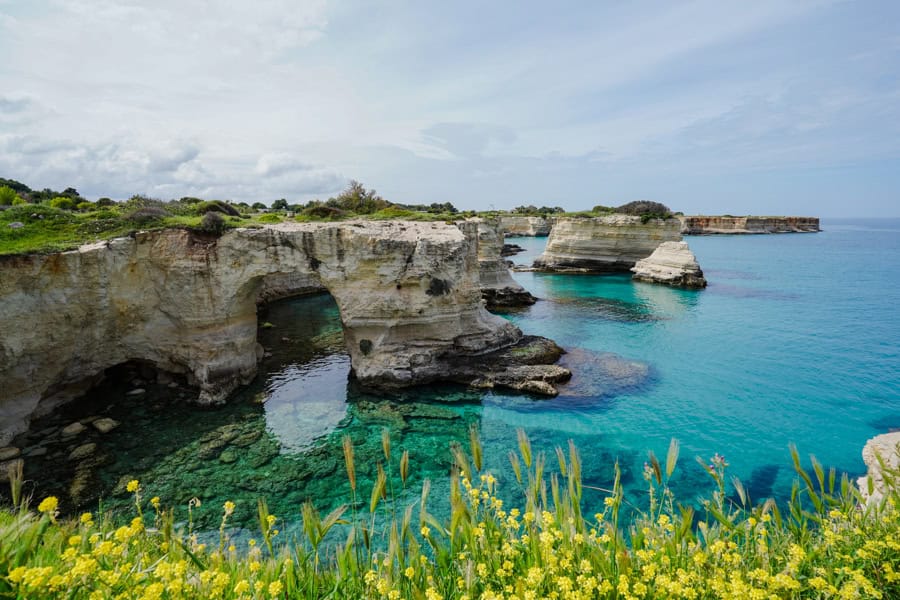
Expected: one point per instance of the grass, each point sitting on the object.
(827, 543)
(46, 229)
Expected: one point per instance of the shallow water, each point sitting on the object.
(795, 340)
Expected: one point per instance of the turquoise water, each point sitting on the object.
(794, 340)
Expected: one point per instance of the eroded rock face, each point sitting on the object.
(528, 226)
(672, 263)
(498, 288)
(886, 446)
(604, 244)
(703, 225)
(408, 293)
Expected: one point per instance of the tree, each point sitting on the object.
(7, 195)
(357, 199)
(258, 206)
(280, 204)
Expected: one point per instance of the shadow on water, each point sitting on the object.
(886, 424)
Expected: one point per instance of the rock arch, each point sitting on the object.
(408, 295)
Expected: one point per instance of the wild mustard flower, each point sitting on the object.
(48, 505)
(132, 486)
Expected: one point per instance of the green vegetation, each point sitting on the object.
(7, 195)
(827, 543)
(50, 221)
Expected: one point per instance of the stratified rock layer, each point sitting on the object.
(704, 225)
(498, 288)
(527, 226)
(671, 263)
(604, 244)
(887, 447)
(408, 294)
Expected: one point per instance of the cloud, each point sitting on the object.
(468, 140)
(257, 100)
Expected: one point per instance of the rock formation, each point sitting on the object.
(498, 288)
(408, 295)
(671, 263)
(604, 244)
(702, 225)
(887, 447)
(528, 226)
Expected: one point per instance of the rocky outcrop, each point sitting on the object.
(604, 244)
(671, 263)
(498, 288)
(703, 225)
(408, 293)
(887, 448)
(528, 226)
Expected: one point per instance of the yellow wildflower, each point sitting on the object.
(48, 505)
(132, 486)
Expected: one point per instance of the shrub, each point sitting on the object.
(7, 195)
(393, 212)
(258, 206)
(85, 206)
(322, 211)
(148, 214)
(105, 202)
(63, 203)
(19, 200)
(216, 206)
(644, 207)
(269, 218)
(212, 222)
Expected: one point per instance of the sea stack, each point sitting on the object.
(498, 288)
(611, 244)
(672, 263)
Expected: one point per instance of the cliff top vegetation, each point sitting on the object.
(34, 221)
(50, 221)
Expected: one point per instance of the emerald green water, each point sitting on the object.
(795, 340)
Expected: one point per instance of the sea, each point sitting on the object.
(796, 341)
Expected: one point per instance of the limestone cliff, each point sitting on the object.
(671, 263)
(498, 288)
(408, 295)
(528, 226)
(887, 447)
(604, 244)
(703, 225)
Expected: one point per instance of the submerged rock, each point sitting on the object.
(83, 451)
(105, 425)
(672, 263)
(73, 429)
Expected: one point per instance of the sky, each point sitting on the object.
(711, 107)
